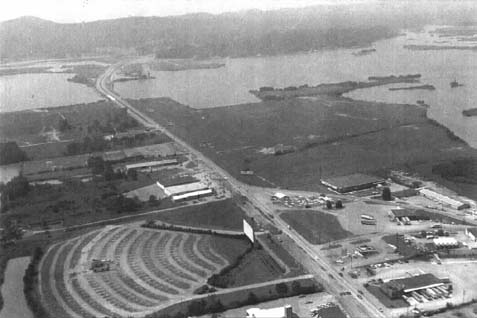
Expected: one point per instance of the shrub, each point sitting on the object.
(281, 288)
(339, 204)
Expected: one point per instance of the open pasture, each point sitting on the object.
(328, 136)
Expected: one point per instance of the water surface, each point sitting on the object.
(14, 303)
(230, 85)
(29, 91)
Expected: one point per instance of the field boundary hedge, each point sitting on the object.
(195, 230)
(31, 286)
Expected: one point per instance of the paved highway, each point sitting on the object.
(358, 308)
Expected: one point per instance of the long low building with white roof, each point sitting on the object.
(192, 195)
(186, 191)
(443, 199)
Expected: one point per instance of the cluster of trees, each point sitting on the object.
(63, 125)
(151, 224)
(338, 204)
(11, 232)
(87, 145)
(222, 279)
(122, 204)
(105, 168)
(462, 170)
(386, 194)
(16, 188)
(30, 282)
(11, 153)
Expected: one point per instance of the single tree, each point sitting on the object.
(386, 194)
(339, 204)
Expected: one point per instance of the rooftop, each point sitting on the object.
(445, 241)
(174, 180)
(410, 213)
(351, 180)
(151, 164)
(278, 312)
(185, 188)
(440, 197)
(409, 284)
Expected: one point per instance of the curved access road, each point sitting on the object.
(334, 283)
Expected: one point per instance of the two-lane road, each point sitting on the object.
(332, 281)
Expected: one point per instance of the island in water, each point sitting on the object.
(470, 112)
(364, 52)
(336, 89)
(425, 47)
(426, 87)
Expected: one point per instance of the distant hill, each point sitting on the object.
(229, 34)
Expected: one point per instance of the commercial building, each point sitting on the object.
(187, 188)
(353, 182)
(280, 196)
(411, 214)
(279, 312)
(397, 288)
(443, 199)
(192, 195)
(184, 188)
(150, 165)
(446, 242)
(471, 232)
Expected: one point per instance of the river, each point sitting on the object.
(14, 305)
(230, 85)
(28, 91)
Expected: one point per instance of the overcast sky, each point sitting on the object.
(89, 10)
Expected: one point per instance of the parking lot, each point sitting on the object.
(461, 272)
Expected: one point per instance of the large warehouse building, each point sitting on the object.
(184, 188)
(352, 182)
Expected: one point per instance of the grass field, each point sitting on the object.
(333, 135)
(257, 266)
(216, 215)
(315, 226)
(295, 267)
